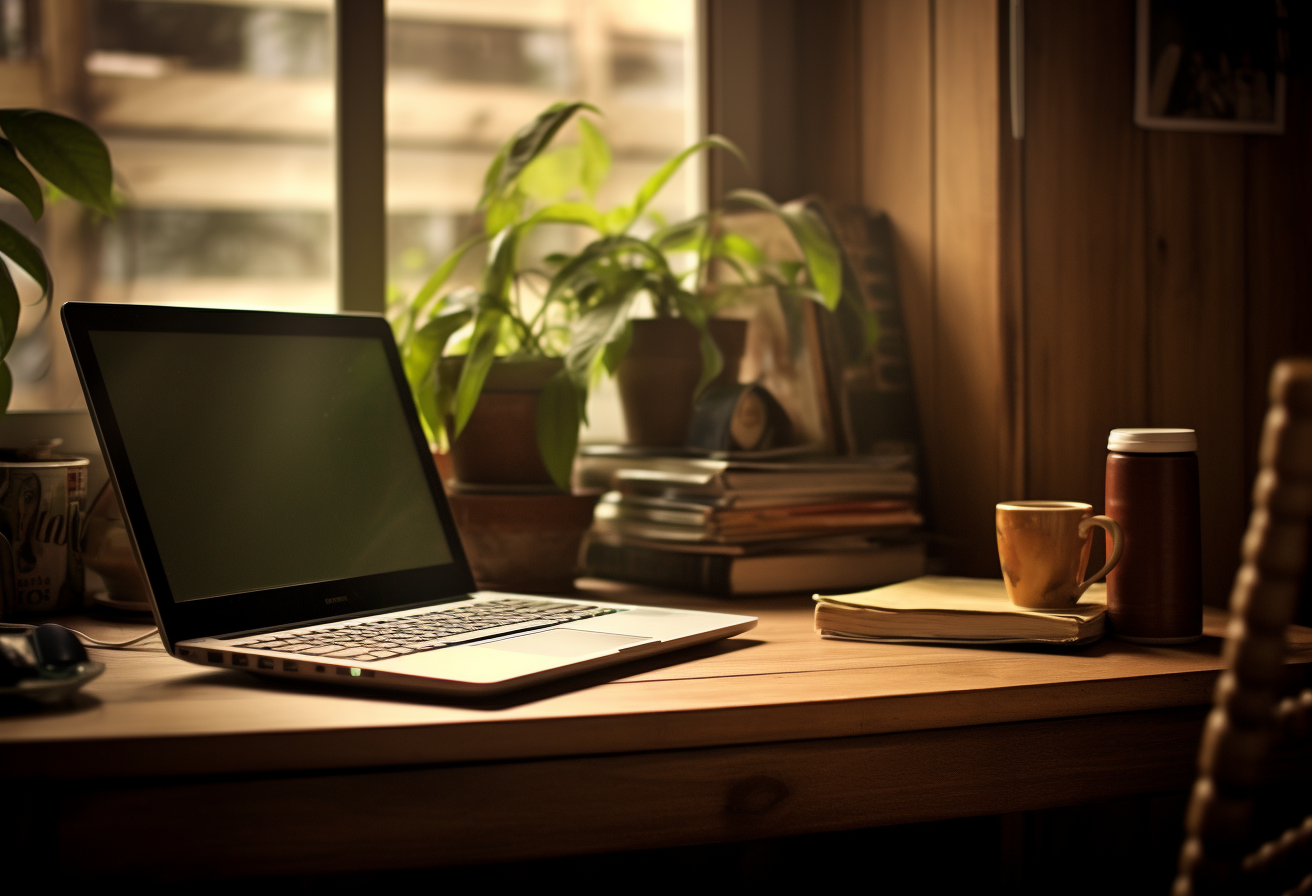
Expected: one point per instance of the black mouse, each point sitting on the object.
(57, 648)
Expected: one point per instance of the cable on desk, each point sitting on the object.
(87, 640)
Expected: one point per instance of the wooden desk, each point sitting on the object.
(772, 733)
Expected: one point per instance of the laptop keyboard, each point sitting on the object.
(386, 638)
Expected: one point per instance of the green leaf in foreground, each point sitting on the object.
(17, 180)
(26, 255)
(558, 427)
(65, 152)
(9, 309)
(6, 386)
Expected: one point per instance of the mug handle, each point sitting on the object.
(1118, 546)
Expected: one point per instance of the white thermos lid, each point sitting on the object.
(1152, 441)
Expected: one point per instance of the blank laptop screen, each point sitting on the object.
(269, 460)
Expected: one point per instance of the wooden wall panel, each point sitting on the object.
(1279, 254)
(968, 403)
(829, 99)
(897, 144)
(1195, 214)
(733, 96)
(1097, 275)
(1084, 243)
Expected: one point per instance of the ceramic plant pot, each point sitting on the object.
(499, 444)
(523, 543)
(657, 377)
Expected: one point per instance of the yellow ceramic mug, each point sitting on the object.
(1044, 549)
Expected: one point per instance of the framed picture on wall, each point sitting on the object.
(1211, 65)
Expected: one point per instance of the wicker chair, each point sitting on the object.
(1251, 723)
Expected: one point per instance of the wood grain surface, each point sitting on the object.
(151, 714)
(462, 814)
(770, 734)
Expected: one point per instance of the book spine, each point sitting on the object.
(706, 573)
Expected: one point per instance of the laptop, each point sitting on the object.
(290, 521)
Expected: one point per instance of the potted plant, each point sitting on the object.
(41, 565)
(663, 362)
(490, 363)
(525, 343)
(501, 369)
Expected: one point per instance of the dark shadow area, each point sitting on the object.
(13, 707)
(1127, 847)
(537, 693)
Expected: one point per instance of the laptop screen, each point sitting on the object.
(269, 461)
(265, 461)
(271, 467)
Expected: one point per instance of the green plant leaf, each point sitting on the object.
(600, 325)
(558, 426)
(502, 211)
(712, 360)
(430, 411)
(499, 273)
(26, 255)
(590, 260)
(478, 361)
(617, 219)
(617, 348)
(492, 177)
(16, 179)
(790, 270)
(525, 146)
(6, 387)
(426, 344)
(438, 278)
(566, 213)
(65, 152)
(10, 308)
(680, 237)
(735, 245)
(823, 261)
(594, 152)
(647, 192)
(553, 175)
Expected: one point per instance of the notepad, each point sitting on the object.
(947, 610)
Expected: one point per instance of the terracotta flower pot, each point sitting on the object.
(523, 542)
(499, 444)
(657, 377)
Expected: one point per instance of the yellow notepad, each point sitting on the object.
(945, 610)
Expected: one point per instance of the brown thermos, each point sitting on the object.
(1154, 595)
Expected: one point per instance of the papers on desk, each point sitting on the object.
(944, 610)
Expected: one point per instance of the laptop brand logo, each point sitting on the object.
(336, 600)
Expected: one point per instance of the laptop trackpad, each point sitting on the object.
(564, 642)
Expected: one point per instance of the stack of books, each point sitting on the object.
(752, 526)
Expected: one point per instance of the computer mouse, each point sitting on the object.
(57, 648)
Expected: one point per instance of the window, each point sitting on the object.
(219, 118)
